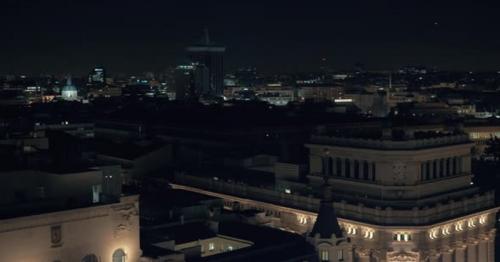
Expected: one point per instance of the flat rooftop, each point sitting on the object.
(390, 139)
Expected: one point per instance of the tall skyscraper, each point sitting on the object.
(191, 81)
(97, 76)
(210, 55)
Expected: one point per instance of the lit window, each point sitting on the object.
(407, 237)
(445, 230)
(340, 255)
(368, 234)
(400, 237)
(211, 246)
(119, 256)
(433, 234)
(96, 192)
(471, 223)
(351, 230)
(302, 219)
(459, 226)
(482, 220)
(324, 255)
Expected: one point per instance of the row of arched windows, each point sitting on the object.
(440, 168)
(348, 168)
(118, 256)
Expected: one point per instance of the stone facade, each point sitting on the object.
(410, 200)
(108, 233)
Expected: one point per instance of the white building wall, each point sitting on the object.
(98, 230)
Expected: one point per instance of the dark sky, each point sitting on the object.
(71, 36)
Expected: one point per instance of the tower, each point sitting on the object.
(97, 76)
(211, 56)
(326, 235)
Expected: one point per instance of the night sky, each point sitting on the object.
(275, 36)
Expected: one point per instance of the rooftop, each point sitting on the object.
(391, 139)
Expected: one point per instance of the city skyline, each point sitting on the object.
(276, 37)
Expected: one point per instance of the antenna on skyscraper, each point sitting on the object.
(206, 38)
(68, 80)
(390, 80)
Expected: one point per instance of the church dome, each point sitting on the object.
(69, 91)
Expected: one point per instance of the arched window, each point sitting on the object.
(119, 255)
(90, 258)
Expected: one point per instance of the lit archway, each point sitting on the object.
(119, 255)
(90, 258)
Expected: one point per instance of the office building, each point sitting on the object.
(97, 76)
(191, 81)
(212, 56)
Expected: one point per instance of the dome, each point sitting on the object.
(69, 88)
(69, 91)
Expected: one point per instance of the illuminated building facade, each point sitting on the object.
(407, 199)
(403, 195)
(107, 233)
(78, 215)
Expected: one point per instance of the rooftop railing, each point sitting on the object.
(389, 144)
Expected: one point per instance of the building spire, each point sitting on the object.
(68, 80)
(326, 224)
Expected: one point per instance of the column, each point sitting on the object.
(447, 256)
(363, 255)
(434, 257)
(334, 167)
(374, 171)
(330, 166)
(324, 166)
(422, 171)
(472, 252)
(455, 166)
(445, 167)
(482, 250)
(434, 168)
(351, 165)
(342, 167)
(491, 250)
(370, 171)
(460, 254)
(460, 164)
